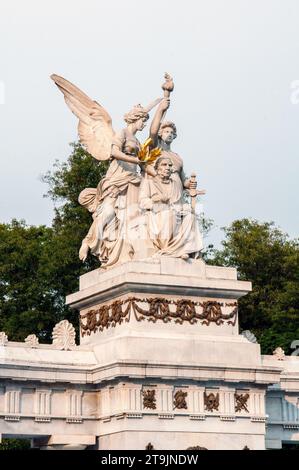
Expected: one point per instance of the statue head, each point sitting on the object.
(163, 167)
(167, 132)
(138, 115)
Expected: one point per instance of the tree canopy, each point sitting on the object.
(265, 255)
(39, 266)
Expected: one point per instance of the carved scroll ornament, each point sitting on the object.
(154, 309)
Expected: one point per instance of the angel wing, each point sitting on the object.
(95, 124)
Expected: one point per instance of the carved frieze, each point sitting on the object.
(211, 401)
(241, 402)
(179, 401)
(154, 309)
(149, 399)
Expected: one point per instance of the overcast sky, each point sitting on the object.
(234, 63)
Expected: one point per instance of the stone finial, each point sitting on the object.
(279, 354)
(32, 341)
(64, 335)
(249, 336)
(3, 338)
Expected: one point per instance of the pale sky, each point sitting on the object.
(234, 63)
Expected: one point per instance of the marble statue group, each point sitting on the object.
(140, 209)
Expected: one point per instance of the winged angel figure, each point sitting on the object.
(114, 203)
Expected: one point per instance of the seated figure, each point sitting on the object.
(171, 227)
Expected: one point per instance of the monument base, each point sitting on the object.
(161, 365)
(173, 369)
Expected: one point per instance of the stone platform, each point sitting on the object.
(160, 362)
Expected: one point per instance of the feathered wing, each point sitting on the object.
(95, 124)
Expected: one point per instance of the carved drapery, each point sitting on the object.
(156, 308)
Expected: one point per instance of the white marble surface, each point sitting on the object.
(92, 394)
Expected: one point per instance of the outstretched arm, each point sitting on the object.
(159, 115)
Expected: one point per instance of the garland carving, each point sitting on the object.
(156, 308)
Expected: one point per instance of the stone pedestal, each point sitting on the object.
(161, 365)
(173, 370)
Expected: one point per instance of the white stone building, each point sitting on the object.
(160, 363)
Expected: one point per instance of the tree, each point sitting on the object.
(263, 254)
(39, 266)
(26, 305)
(71, 221)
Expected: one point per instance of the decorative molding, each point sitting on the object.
(74, 403)
(42, 419)
(11, 418)
(134, 415)
(42, 400)
(74, 420)
(12, 402)
(166, 310)
(3, 338)
(258, 419)
(241, 402)
(197, 417)
(165, 416)
(291, 426)
(211, 401)
(32, 341)
(149, 399)
(227, 418)
(64, 335)
(179, 401)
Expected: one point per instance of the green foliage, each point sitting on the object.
(263, 254)
(39, 266)
(15, 444)
(26, 304)
(71, 222)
